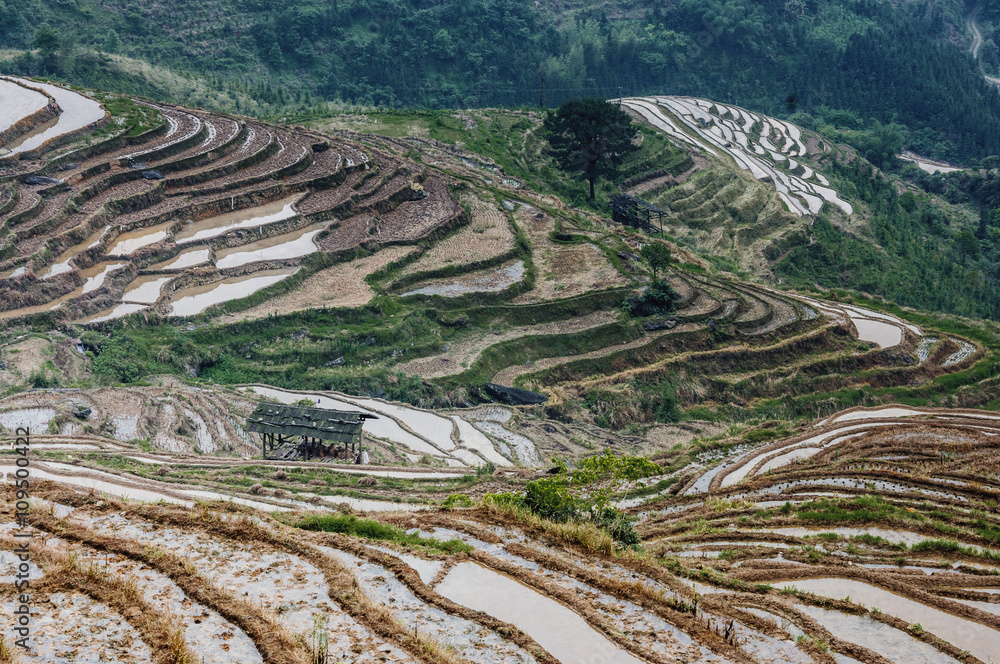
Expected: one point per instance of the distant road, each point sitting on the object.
(977, 38)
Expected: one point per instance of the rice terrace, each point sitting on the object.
(355, 384)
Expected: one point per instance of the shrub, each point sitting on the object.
(457, 500)
(40, 378)
(668, 410)
(657, 298)
(617, 524)
(550, 498)
(119, 360)
(503, 500)
(608, 465)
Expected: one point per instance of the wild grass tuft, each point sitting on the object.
(348, 524)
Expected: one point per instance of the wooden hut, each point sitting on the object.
(300, 432)
(636, 213)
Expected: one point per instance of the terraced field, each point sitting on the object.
(869, 537)
(782, 481)
(763, 186)
(206, 207)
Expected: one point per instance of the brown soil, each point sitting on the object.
(563, 270)
(339, 286)
(26, 356)
(488, 235)
(461, 354)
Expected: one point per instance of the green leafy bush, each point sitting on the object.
(657, 298)
(550, 498)
(608, 465)
(41, 379)
(505, 499)
(617, 524)
(457, 500)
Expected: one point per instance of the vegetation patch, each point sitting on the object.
(348, 524)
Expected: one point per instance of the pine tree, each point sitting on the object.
(590, 135)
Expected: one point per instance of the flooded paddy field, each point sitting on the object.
(763, 570)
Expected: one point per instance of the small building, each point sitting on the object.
(636, 213)
(302, 432)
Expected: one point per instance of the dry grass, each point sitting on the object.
(581, 535)
(8, 654)
(26, 356)
(564, 270)
(342, 285)
(272, 640)
(488, 235)
(342, 585)
(231, 522)
(161, 630)
(409, 577)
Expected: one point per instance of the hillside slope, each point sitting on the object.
(169, 240)
(905, 62)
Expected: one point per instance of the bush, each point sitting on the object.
(41, 379)
(457, 500)
(607, 465)
(119, 361)
(657, 298)
(617, 525)
(503, 500)
(668, 410)
(550, 499)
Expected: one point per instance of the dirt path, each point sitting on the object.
(977, 39)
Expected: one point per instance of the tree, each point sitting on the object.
(657, 256)
(590, 135)
(967, 244)
(46, 40)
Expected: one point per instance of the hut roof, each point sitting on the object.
(625, 200)
(341, 426)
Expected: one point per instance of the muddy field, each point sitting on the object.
(898, 570)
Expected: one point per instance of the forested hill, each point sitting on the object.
(904, 61)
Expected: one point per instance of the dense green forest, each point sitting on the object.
(915, 253)
(901, 62)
